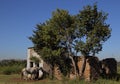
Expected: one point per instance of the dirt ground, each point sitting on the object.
(16, 79)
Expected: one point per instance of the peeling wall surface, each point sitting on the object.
(30, 63)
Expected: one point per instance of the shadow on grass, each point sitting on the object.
(115, 77)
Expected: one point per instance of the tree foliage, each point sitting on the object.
(53, 39)
(95, 31)
(55, 35)
(35, 59)
(64, 34)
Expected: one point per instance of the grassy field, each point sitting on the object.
(16, 79)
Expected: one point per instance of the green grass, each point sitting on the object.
(14, 69)
(15, 79)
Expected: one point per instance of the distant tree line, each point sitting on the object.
(11, 62)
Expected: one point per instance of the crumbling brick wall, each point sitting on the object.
(57, 72)
(92, 68)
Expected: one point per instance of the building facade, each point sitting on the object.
(31, 63)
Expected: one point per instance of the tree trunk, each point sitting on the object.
(74, 66)
(83, 66)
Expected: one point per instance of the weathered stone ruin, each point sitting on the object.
(109, 68)
(31, 63)
(92, 68)
(57, 72)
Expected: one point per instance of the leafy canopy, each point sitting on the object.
(49, 38)
(63, 33)
(95, 31)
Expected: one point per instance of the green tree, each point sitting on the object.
(54, 38)
(95, 31)
(64, 34)
(65, 23)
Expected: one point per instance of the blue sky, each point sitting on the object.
(18, 19)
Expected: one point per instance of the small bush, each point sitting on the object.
(12, 69)
(11, 66)
(7, 71)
